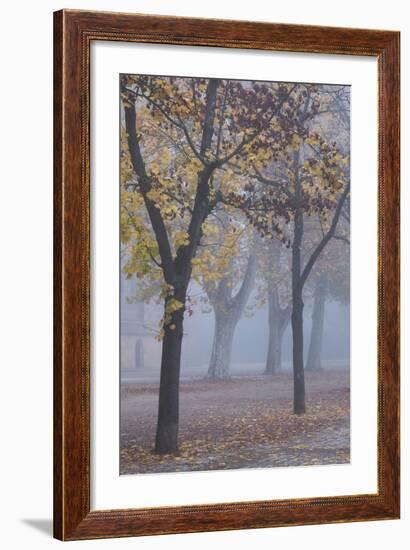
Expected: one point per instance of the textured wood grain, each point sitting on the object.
(73, 32)
(58, 274)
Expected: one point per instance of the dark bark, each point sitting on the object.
(326, 238)
(278, 321)
(228, 311)
(177, 272)
(145, 185)
(299, 406)
(168, 405)
(166, 440)
(202, 204)
(314, 359)
(299, 278)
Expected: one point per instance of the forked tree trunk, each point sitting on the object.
(314, 359)
(228, 310)
(278, 321)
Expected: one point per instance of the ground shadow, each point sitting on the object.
(43, 525)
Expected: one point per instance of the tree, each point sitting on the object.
(314, 358)
(305, 176)
(228, 309)
(331, 281)
(278, 321)
(209, 122)
(273, 290)
(301, 272)
(225, 267)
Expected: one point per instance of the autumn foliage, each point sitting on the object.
(214, 172)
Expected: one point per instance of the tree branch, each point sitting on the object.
(309, 265)
(221, 120)
(341, 238)
(241, 297)
(145, 186)
(131, 217)
(272, 183)
(177, 123)
(251, 137)
(202, 205)
(208, 128)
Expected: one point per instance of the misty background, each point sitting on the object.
(141, 351)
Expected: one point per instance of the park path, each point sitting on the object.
(327, 446)
(241, 423)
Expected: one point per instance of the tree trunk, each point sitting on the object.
(274, 357)
(278, 321)
(228, 311)
(316, 336)
(299, 406)
(168, 405)
(220, 362)
(176, 272)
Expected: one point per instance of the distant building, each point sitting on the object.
(139, 326)
(139, 348)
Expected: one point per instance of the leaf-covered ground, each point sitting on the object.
(240, 423)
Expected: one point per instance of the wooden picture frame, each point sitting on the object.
(74, 32)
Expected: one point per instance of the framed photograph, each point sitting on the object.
(226, 275)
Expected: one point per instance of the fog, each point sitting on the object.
(250, 342)
(251, 338)
(245, 264)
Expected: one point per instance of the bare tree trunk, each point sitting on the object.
(139, 354)
(274, 356)
(278, 321)
(220, 362)
(316, 336)
(166, 440)
(299, 405)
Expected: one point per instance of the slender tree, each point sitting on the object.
(314, 358)
(305, 176)
(278, 321)
(329, 281)
(273, 290)
(225, 267)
